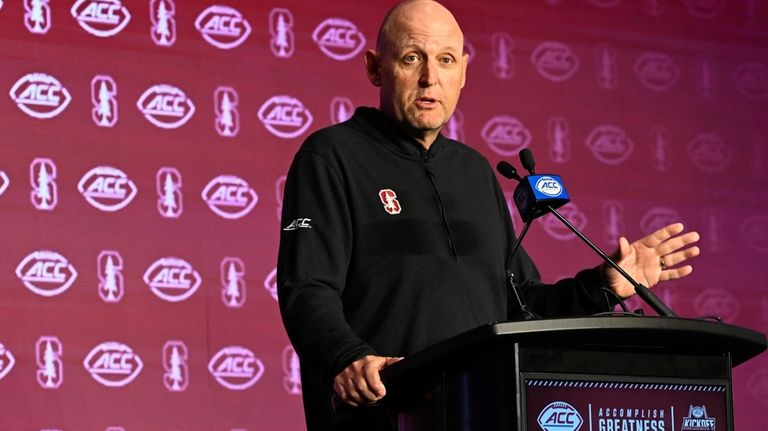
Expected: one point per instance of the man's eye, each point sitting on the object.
(446, 60)
(410, 58)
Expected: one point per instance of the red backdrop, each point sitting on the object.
(144, 145)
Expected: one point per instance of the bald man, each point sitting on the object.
(396, 238)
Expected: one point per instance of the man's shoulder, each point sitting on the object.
(465, 151)
(333, 138)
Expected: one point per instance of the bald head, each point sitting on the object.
(412, 13)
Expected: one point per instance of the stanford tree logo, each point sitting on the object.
(175, 358)
(37, 16)
(42, 177)
(162, 16)
(104, 99)
(109, 267)
(233, 282)
(50, 368)
(227, 121)
(281, 30)
(170, 202)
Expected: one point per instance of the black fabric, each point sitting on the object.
(355, 280)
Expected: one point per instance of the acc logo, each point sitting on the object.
(162, 15)
(388, 198)
(752, 80)
(560, 416)
(233, 282)
(172, 279)
(338, 38)
(454, 128)
(709, 153)
(299, 223)
(107, 189)
(102, 18)
(225, 103)
(170, 202)
(554, 228)
(113, 364)
(549, 186)
(46, 273)
(506, 135)
(341, 109)
(50, 368)
(270, 283)
(657, 218)
(555, 61)
(281, 30)
(502, 50)
(558, 130)
(610, 144)
(292, 379)
(285, 116)
(37, 16)
(5, 182)
(657, 71)
(104, 99)
(717, 302)
(229, 196)
(39, 95)
(704, 9)
(42, 176)
(166, 106)
(236, 368)
(754, 231)
(175, 357)
(110, 273)
(223, 27)
(7, 361)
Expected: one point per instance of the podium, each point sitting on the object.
(588, 374)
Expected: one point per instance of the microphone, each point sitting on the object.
(536, 193)
(537, 206)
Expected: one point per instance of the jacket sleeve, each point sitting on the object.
(315, 247)
(577, 296)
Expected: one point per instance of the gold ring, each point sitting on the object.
(661, 263)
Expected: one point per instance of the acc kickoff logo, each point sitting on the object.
(172, 279)
(113, 364)
(285, 116)
(338, 38)
(555, 61)
(506, 135)
(236, 368)
(102, 18)
(46, 273)
(610, 144)
(223, 27)
(7, 361)
(229, 196)
(166, 106)
(560, 416)
(698, 420)
(39, 95)
(107, 189)
(657, 71)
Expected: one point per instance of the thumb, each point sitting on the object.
(389, 361)
(624, 248)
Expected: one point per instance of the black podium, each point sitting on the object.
(587, 374)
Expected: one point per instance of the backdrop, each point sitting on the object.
(143, 146)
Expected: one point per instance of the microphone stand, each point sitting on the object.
(525, 312)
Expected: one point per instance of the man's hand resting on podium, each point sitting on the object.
(652, 259)
(360, 383)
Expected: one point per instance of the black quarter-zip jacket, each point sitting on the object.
(387, 248)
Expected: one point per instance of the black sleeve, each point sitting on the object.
(312, 265)
(577, 296)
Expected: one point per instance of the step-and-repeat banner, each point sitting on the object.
(144, 143)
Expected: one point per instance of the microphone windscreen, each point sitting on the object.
(507, 170)
(526, 158)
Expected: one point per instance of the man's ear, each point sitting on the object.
(373, 67)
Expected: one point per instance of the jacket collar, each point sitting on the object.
(392, 136)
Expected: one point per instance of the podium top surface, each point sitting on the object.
(663, 334)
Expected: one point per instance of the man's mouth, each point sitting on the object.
(426, 102)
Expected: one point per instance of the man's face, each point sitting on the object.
(422, 71)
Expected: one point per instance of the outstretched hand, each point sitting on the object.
(652, 259)
(360, 383)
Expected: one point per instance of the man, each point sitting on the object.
(395, 237)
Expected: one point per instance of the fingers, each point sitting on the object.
(662, 234)
(678, 257)
(678, 242)
(360, 383)
(675, 273)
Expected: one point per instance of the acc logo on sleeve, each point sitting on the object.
(560, 416)
(50, 368)
(506, 135)
(104, 99)
(166, 106)
(110, 272)
(338, 38)
(7, 361)
(610, 144)
(162, 16)
(225, 101)
(107, 188)
(39, 95)
(175, 357)
(555, 61)
(5, 182)
(709, 153)
(223, 27)
(657, 71)
(752, 80)
(102, 18)
(37, 16)
(42, 177)
(170, 201)
(113, 364)
(236, 368)
(233, 282)
(285, 116)
(172, 279)
(229, 196)
(46, 273)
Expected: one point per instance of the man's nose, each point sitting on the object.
(429, 73)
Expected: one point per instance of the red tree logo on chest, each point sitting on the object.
(389, 200)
